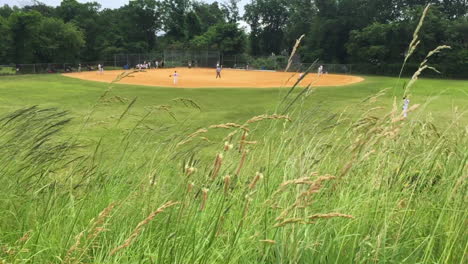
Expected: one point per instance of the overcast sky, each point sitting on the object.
(104, 3)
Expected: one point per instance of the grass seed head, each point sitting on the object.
(256, 179)
(204, 198)
(330, 215)
(227, 183)
(140, 226)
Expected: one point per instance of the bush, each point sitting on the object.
(269, 63)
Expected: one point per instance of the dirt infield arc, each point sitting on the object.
(206, 78)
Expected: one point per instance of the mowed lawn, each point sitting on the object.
(439, 97)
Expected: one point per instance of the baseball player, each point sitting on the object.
(218, 72)
(406, 102)
(175, 75)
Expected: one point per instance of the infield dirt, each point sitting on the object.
(206, 78)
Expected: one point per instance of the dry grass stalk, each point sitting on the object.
(227, 183)
(190, 170)
(268, 117)
(217, 166)
(228, 146)
(243, 138)
(191, 136)
(304, 198)
(230, 135)
(347, 167)
(329, 215)
(205, 139)
(140, 227)
(268, 241)
(74, 248)
(188, 102)
(282, 187)
(98, 224)
(298, 42)
(256, 179)
(415, 41)
(248, 201)
(368, 154)
(190, 187)
(401, 117)
(291, 221)
(318, 184)
(249, 142)
(242, 161)
(204, 198)
(304, 180)
(374, 98)
(229, 126)
(423, 66)
(25, 238)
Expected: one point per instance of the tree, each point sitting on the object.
(227, 38)
(193, 25)
(45, 10)
(5, 41)
(209, 14)
(138, 22)
(58, 41)
(6, 10)
(231, 11)
(173, 17)
(267, 19)
(24, 33)
(86, 17)
(370, 45)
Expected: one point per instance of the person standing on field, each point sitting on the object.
(218, 72)
(100, 69)
(406, 103)
(320, 70)
(176, 77)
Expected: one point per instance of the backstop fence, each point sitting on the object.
(170, 59)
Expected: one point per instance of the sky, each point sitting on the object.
(104, 3)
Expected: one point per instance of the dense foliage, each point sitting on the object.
(373, 32)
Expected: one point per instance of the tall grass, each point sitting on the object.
(303, 187)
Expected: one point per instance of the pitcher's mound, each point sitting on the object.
(206, 78)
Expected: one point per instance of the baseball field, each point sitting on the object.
(230, 78)
(139, 170)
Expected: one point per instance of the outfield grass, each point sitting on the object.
(347, 181)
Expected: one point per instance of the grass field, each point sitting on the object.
(347, 180)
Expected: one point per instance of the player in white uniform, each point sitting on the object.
(218, 72)
(320, 70)
(406, 102)
(100, 69)
(175, 75)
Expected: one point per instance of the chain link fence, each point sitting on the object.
(177, 58)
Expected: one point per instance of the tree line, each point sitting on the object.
(372, 32)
